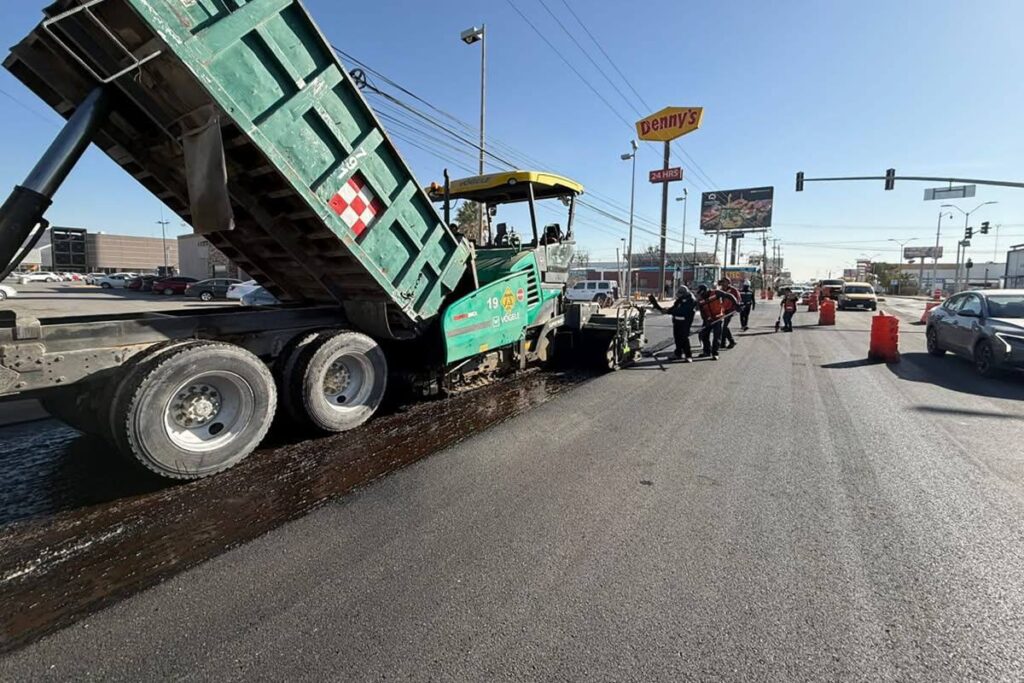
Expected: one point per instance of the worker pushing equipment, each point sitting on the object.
(788, 306)
(682, 311)
(731, 307)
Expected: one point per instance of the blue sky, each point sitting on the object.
(929, 87)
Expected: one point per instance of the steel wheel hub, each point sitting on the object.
(337, 379)
(197, 405)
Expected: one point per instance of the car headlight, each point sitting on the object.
(1013, 342)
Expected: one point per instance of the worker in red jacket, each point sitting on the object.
(731, 309)
(712, 306)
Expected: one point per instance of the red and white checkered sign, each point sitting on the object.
(357, 205)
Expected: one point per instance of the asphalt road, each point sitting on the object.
(789, 512)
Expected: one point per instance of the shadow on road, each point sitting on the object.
(846, 364)
(956, 374)
(963, 412)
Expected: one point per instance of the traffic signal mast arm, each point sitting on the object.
(891, 176)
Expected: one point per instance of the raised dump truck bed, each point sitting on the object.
(240, 117)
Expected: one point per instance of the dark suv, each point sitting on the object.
(985, 326)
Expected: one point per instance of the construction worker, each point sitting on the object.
(711, 303)
(788, 305)
(731, 308)
(748, 302)
(682, 311)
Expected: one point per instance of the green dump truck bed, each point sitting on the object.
(239, 116)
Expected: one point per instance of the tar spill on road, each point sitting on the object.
(79, 535)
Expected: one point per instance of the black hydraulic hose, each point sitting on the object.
(22, 212)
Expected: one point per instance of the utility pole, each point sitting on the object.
(470, 36)
(682, 242)
(764, 263)
(618, 269)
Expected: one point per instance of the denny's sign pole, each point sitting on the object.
(664, 126)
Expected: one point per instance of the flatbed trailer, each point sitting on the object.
(241, 119)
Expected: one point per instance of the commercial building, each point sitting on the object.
(77, 250)
(982, 275)
(1014, 274)
(201, 260)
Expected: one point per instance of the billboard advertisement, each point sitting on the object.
(922, 252)
(746, 209)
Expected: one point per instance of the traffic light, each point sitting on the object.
(890, 178)
(969, 264)
(968, 232)
(800, 181)
(984, 227)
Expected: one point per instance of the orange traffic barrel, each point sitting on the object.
(927, 309)
(771, 294)
(885, 338)
(812, 303)
(827, 312)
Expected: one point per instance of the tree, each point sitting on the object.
(468, 219)
(581, 259)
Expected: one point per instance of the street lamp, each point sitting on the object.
(938, 235)
(163, 223)
(470, 36)
(959, 256)
(630, 156)
(682, 249)
(899, 268)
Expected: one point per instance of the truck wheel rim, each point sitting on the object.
(208, 411)
(348, 382)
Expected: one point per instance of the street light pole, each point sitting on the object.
(938, 234)
(631, 156)
(163, 238)
(899, 268)
(682, 249)
(470, 36)
(963, 254)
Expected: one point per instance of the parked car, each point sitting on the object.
(208, 290)
(91, 278)
(258, 297)
(830, 289)
(39, 276)
(6, 292)
(237, 290)
(857, 295)
(115, 281)
(172, 285)
(985, 326)
(604, 292)
(143, 283)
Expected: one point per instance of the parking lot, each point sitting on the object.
(54, 299)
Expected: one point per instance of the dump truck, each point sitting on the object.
(242, 120)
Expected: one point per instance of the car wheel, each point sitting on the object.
(3, 295)
(206, 296)
(50, 279)
(168, 291)
(932, 340)
(984, 358)
(104, 285)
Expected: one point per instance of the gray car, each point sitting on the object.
(985, 326)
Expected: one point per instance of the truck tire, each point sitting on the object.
(338, 379)
(287, 383)
(193, 410)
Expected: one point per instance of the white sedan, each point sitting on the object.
(240, 289)
(6, 292)
(40, 276)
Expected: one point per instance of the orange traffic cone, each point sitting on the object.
(927, 309)
(885, 338)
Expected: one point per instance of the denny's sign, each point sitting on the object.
(669, 123)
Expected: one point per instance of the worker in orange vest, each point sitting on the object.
(731, 309)
(788, 305)
(712, 306)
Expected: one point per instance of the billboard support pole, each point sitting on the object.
(664, 222)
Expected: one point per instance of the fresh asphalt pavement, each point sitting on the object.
(789, 512)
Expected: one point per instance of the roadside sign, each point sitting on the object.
(745, 209)
(922, 252)
(666, 175)
(669, 123)
(951, 192)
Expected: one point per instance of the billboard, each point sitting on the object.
(747, 209)
(922, 252)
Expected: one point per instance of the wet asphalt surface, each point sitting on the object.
(791, 512)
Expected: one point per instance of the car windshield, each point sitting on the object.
(857, 290)
(1006, 306)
